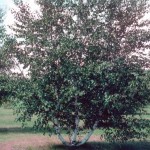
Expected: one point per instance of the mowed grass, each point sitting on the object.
(11, 129)
(12, 134)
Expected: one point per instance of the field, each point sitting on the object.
(13, 137)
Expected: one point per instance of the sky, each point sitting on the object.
(6, 4)
(3, 3)
(9, 3)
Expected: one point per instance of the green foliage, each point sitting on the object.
(7, 84)
(2, 34)
(3, 88)
(6, 61)
(83, 73)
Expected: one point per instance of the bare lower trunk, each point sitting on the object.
(76, 130)
(74, 142)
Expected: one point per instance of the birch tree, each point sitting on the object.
(85, 67)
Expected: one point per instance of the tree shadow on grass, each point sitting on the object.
(19, 130)
(107, 146)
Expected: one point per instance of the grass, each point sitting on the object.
(27, 139)
(9, 128)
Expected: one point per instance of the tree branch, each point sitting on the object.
(86, 138)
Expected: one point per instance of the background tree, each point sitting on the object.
(6, 60)
(83, 70)
(2, 37)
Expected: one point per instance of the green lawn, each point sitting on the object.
(10, 130)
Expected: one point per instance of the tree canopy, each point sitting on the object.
(83, 69)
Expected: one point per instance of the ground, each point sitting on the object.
(35, 142)
(13, 137)
(24, 143)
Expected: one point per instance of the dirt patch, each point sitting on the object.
(22, 143)
(35, 141)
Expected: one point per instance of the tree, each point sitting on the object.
(5, 63)
(2, 35)
(84, 72)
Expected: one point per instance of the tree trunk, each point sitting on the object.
(74, 143)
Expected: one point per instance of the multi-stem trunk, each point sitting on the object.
(74, 142)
